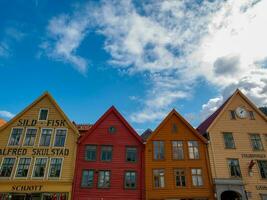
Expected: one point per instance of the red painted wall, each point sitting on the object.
(99, 135)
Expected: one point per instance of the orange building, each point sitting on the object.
(176, 162)
(2, 122)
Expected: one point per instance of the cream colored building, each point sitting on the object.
(237, 134)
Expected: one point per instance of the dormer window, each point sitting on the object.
(43, 114)
(112, 129)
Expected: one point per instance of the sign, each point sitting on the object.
(34, 152)
(261, 187)
(49, 123)
(252, 155)
(24, 188)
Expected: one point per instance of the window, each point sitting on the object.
(174, 128)
(23, 167)
(256, 142)
(90, 152)
(131, 154)
(7, 167)
(263, 196)
(158, 177)
(39, 167)
(87, 178)
(45, 137)
(263, 168)
(60, 137)
(112, 129)
(15, 136)
(234, 168)
(251, 115)
(177, 150)
(30, 137)
(197, 177)
(228, 140)
(55, 167)
(179, 175)
(232, 114)
(193, 149)
(106, 153)
(43, 114)
(104, 179)
(130, 180)
(158, 150)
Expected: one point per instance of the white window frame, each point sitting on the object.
(24, 138)
(29, 169)
(47, 164)
(55, 178)
(19, 138)
(41, 137)
(40, 114)
(55, 135)
(12, 173)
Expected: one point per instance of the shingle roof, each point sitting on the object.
(146, 134)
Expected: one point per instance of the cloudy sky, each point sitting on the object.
(144, 57)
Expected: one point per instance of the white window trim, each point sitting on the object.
(23, 178)
(12, 173)
(55, 178)
(46, 165)
(19, 138)
(25, 137)
(54, 138)
(40, 114)
(41, 137)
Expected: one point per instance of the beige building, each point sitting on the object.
(237, 134)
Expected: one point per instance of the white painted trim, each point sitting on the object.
(46, 165)
(41, 137)
(12, 173)
(19, 138)
(26, 134)
(57, 178)
(22, 178)
(40, 113)
(56, 134)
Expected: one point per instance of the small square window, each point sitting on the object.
(112, 129)
(43, 114)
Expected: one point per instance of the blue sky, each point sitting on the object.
(144, 57)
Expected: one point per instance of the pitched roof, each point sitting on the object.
(145, 135)
(2, 122)
(174, 112)
(112, 109)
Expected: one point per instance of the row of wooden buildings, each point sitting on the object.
(45, 156)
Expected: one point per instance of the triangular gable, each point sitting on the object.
(112, 109)
(168, 117)
(46, 94)
(224, 107)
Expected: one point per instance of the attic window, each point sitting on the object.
(174, 128)
(43, 114)
(232, 115)
(112, 129)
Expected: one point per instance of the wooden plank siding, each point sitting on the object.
(185, 133)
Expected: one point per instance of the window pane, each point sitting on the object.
(104, 179)
(43, 114)
(256, 142)
(30, 136)
(177, 150)
(23, 167)
(158, 150)
(234, 168)
(45, 137)
(263, 168)
(251, 115)
(130, 180)
(60, 137)
(39, 167)
(15, 136)
(106, 153)
(87, 178)
(197, 179)
(232, 114)
(7, 167)
(90, 153)
(55, 167)
(228, 140)
(179, 175)
(158, 176)
(193, 150)
(131, 154)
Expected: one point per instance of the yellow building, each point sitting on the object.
(237, 134)
(37, 153)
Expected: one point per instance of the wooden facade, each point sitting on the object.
(38, 153)
(240, 135)
(103, 166)
(160, 171)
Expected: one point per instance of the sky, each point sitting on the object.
(144, 57)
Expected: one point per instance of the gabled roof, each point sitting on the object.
(206, 124)
(146, 134)
(113, 110)
(45, 94)
(174, 112)
(2, 122)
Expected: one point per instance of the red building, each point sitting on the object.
(110, 161)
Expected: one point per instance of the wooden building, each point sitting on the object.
(176, 162)
(38, 153)
(237, 134)
(109, 161)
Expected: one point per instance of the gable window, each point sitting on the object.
(104, 179)
(7, 167)
(158, 178)
(130, 180)
(90, 152)
(174, 128)
(193, 150)
(228, 140)
(106, 153)
(197, 177)
(30, 136)
(177, 150)
(39, 167)
(15, 136)
(43, 114)
(112, 129)
(45, 137)
(251, 115)
(23, 167)
(87, 178)
(131, 154)
(263, 168)
(232, 115)
(256, 142)
(158, 150)
(55, 167)
(179, 175)
(60, 137)
(234, 168)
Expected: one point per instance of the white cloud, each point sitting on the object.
(6, 114)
